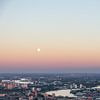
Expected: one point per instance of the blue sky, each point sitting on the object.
(66, 29)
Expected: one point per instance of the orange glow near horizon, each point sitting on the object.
(49, 56)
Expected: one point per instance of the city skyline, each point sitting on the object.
(49, 36)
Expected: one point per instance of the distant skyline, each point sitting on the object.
(50, 36)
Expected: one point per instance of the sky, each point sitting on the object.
(67, 32)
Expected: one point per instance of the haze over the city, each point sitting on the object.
(49, 36)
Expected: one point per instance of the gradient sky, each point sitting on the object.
(66, 31)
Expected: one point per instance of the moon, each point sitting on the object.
(38, 49)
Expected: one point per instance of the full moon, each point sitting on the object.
(38, 49)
